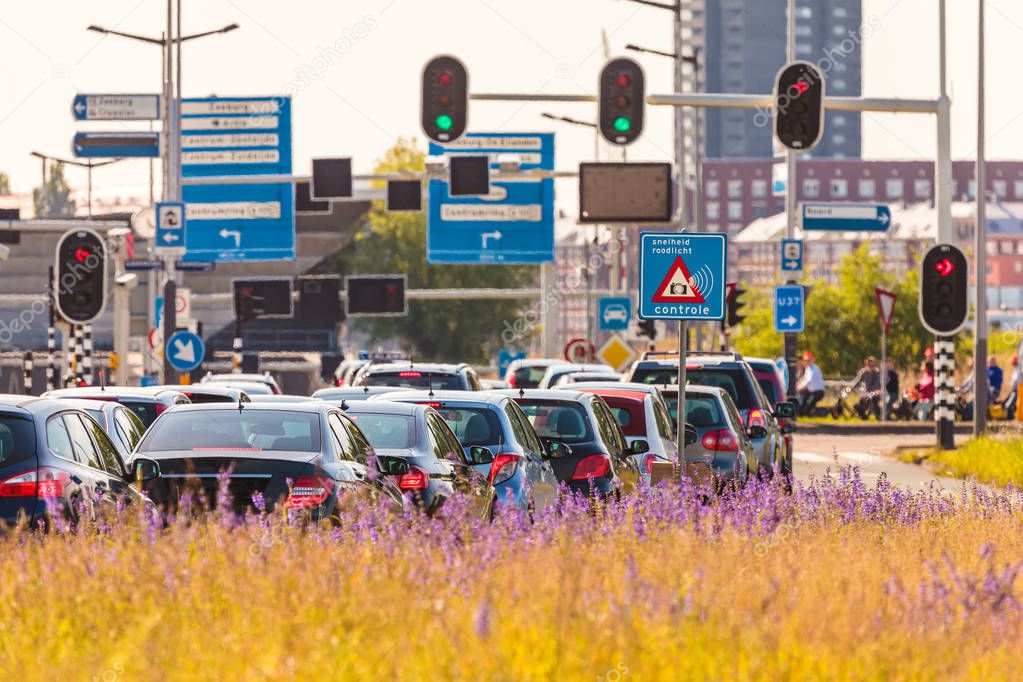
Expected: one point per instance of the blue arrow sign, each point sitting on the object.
(515, 224)
(142, 264)
(116, 145)
(791, 255)
(788, 309)
(847, 217)
(194, 267)
(185, 351)
(505, 357)
(134, 107)
(170, 227)
(682, 276)
(614, 313)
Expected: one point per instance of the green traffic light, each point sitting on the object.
(622, 124)
(444, 122)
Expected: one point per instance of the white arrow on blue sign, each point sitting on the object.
(788, 309)
(847, 217)
(185, 351)
(132, 107)
(791, 255)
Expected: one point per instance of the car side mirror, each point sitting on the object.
(788, 428)
(785, 410)
(146, 470)
(639, 447)
(390, 465)
(692, 435)
(556, 449)
(480, 455)
(757, 432)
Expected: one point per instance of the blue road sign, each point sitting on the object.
(127, 107)
(788, 309)
(505, 358)
(194, 267)
(847, 217)
(142, 264)
(791, 255)
(119, 145)
(614, 313)
(185, 351)
(682, 276)
(514, 224)
(170, 227)
(238, 136)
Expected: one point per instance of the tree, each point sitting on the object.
(396, 243)
(842, 322)
(53, 199)
(5, 183)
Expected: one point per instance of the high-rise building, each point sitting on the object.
(741, 45)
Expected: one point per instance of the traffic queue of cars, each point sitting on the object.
(405, 435)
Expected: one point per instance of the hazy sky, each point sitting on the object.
(355, 65)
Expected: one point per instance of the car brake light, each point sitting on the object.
(511, 380)
(435, 406)
(756, 418)
(41, 482)
(594, 466)
(309, 491)
(410, 374)
(721, 441)
(160, 409)
(503, 468)
(648, 462)
(415, 479)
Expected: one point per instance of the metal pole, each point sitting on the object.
(169, 193)
(680, 151)
(87, 370)
(884, 374)
(680, 425)
(980, 383)
(547, 321)
(588, 278)
(89, 174)
(177, 114)
(165, 117)
(122, 319)
(944, 391)
(170, 322)
(26, 371)
(790, 339)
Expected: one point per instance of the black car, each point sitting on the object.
(438, 465)
(56, 457)
(598, 457)
(420, 375)
(302, 455)
(147, 403)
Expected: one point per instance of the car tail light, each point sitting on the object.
(511, 380)
(756, 418)
(435, 406)
(415, 479)
(648, 462)
(410, 375)
(160, 409)
(721, 441)
(42, 482)
(593, 466)
(309, 491)
(503, 468)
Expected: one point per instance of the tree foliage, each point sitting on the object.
(450, 331)
(53, 199)
(842, 321)
(5, 183)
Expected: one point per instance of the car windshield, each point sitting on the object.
(249, 430)
(529, 377)
(473, 425)
(558, 420)
(17, 439)
(732, 380)
(768, 388)
(702, 411)
(394, 431)
(413, 379)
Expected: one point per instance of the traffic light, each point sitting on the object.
(445, 109)
(269, 297)
(799, 106)
(80, 272)
(734, 291)
(647, 328)
(943, 290)
(621, 101)
(376, 295)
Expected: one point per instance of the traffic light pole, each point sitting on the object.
(980, 383)
(791, 340)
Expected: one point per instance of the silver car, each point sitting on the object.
(723, 449)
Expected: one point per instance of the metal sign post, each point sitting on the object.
(680, 434)
(886, 307)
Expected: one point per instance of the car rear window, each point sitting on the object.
(146, 412)
(655, 375)
(702, 411)
(414, 379)
(529, 377)
(394, 431)
(567, 422)
(199, 398)
(629, 414)
(17, 439)
(473, 425)
(246, 430)
(733, 381)
(767, 386)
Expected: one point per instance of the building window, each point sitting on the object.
(811, 188)
(1001, 188)
(839, 188)
(893, 188)
(1017, 187)
(713, 210)
(735, 189)
(866, 188)
(1006, 247)
(1017, 266)
(971, 189)
(922, 189)
(713, 189)
(734, 228)
(735, 210)
(758, 188)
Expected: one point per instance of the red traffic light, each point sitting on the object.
(945, 267)
(623, 80)
(445, 79)
(81, 254)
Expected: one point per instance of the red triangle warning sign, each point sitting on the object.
(678, 286)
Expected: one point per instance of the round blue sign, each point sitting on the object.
(185, 351)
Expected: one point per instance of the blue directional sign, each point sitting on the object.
(120, 145)
(847, 217)
(238, 136)
(170, 227)
(185, 351)
(614, 313)
(197, 266)
(126, 107)
(682, 276)
(514, 224)
(791, 255)
(788, 309)
(505, 357)
(142, 264)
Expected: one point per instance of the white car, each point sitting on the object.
(616, 312)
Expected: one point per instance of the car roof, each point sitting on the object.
(488, 397)
(537, 362)
(307, 406)
(635, 396)
(281, 398)
(206, 388)
(615, 385)
(86, 404)
(114, 393)
(543, 394)
(27, 403)
(384, 407)
(229, 376)
(414, 367)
